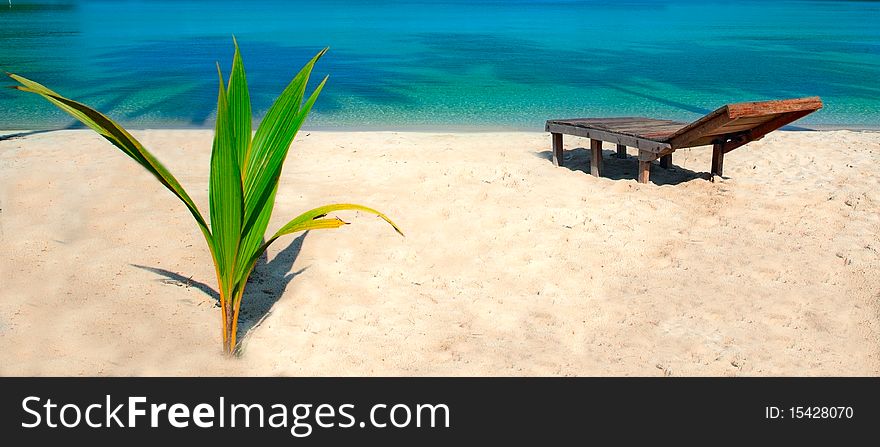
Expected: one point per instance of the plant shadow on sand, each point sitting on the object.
(266, 285)
(578, 159)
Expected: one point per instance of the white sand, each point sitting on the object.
(511, 266)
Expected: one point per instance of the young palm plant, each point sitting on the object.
(244, 176)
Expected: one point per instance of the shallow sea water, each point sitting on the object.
(450, 64)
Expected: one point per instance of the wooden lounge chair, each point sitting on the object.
(725, 129)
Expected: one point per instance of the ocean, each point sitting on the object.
(452, 64)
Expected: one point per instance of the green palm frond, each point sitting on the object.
(244, 175)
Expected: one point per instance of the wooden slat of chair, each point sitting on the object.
(742, 117)
(758, 132)
(576, 128)
(726, 128)
(763, 108)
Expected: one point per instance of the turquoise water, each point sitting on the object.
(445, 64)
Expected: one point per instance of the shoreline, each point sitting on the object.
(434, 129)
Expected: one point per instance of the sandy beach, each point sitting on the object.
(510, 266)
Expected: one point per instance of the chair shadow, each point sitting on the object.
(266, 285)
(578, 159)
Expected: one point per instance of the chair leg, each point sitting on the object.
(557, 148)
(666, 161)
(621, 151)
(596, 157)
(717, 159)
(644, 171)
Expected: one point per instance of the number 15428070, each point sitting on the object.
(808, 413)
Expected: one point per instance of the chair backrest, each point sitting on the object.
(748, 120)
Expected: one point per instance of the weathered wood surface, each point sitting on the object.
(595, 157)
(638, 132)
(726, 128)
(557, 149)
(658, 135)
(557, 126)
(718, 159)
(759, 131)
(761, 108)
(644, 171)
(741, 118)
